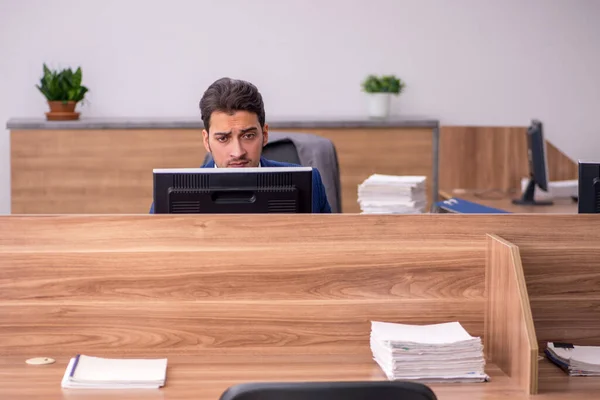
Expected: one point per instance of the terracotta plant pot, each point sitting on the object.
(62, 111)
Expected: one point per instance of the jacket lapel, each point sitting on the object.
(210, 164)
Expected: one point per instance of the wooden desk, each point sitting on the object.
(218, 294)
(203, 377)
(503, 201)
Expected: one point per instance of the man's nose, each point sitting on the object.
(237, 150)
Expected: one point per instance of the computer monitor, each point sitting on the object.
(589, 188)
(233, 190)
(538, 166)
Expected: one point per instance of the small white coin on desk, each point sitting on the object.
(40, 361)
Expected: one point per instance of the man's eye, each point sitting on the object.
(222, 139)
(249, 135)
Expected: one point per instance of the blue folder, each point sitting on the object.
(461, 206)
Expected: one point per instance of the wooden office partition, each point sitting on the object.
(219, 284)
(231, 299)
(392, 151)
(95, 171)
(563, 281)
(493, 158)
(510, 340)
(109, 171)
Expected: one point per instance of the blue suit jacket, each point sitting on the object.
(319, 198)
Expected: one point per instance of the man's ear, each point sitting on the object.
(265, 134)
(205, 140)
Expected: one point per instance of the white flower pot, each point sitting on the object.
(378, 104)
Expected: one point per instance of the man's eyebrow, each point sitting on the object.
(222, 133)
(246, 130)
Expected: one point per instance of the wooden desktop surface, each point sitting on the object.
(204, 377)
(503, 201)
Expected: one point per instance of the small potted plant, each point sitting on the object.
(379, 90)
(63, 90)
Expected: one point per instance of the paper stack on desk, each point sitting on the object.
(576, 360)
(428, 353)
(110, 373)
(391, 194)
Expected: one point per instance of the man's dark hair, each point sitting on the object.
(230, 95)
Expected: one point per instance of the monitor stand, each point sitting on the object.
(528, 197)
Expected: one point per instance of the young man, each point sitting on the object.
(235, 132)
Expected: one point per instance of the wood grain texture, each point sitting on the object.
(208, 376)
(140, 284)
(493, 158)
(94, 171)
(110, 171)
(185, 287)
(214, 327)
(510, 339)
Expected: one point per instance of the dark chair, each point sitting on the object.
(376, 390)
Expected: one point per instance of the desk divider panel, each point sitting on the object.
(151, 285)
(510, 339)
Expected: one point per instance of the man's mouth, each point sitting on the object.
(238, 164)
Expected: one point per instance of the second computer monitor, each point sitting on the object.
(538, 166)
(233, 190)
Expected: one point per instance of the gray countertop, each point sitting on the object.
(196, 123)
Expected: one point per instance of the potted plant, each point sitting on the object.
(63, 90)
(379, 90)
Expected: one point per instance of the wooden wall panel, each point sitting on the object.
(363, 152)
(493, 158)
(510, 340)
(94, 171)
(183, 282)
(110, 171)
(144, 284)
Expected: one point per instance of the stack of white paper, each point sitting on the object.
(428, 353)
(390, 194)
(110, 373)
(576, 360)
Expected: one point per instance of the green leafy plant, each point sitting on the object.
(383, 84)
(64, 85)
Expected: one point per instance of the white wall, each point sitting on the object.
(472, 62)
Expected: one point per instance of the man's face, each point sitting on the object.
(236, 140)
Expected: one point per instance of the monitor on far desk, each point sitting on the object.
(233, 190)
(538, 166)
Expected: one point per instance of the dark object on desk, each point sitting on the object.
(462, 206)
(538, 166)
(233, 190)
(589, 188)
(379, 390)
(563, 345)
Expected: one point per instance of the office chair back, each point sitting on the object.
(376, 390)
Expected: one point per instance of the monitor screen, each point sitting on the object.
(233, 190)
(538, 166)
(536, 149)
